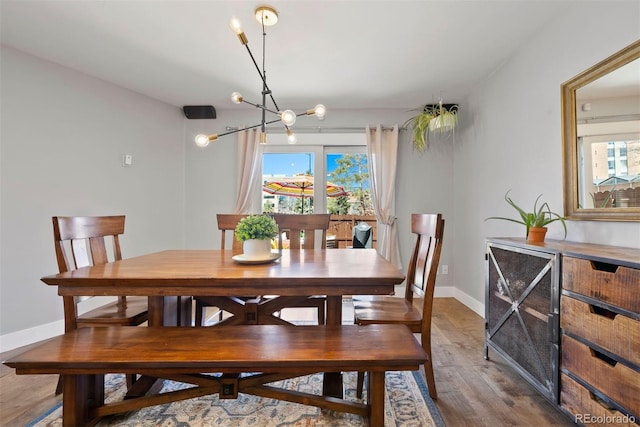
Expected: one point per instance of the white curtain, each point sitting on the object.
(249, 157)
(382, 150)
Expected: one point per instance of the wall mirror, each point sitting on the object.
(601, 140)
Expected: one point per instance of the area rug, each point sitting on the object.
(407, 403)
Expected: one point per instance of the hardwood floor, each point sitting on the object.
(476, 392)
(471, 390)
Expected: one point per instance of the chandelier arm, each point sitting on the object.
(260, 106)
(246, 128)
(262, 77)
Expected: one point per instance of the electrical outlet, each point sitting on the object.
(444, 269)
(127, 160)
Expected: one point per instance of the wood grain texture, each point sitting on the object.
(620, 287)
(245, 348)
(472, 391)
(613, 332)
(615, 380)
(213, 272)
(578, 400)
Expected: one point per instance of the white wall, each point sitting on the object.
(62, 138)
(512, 137)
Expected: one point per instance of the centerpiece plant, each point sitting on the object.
(535, 221)
(256, 232)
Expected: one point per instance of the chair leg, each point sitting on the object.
(360, 385)
(431, 381)
(59, 386)
(131, 378)
(321, 314)
(199, 313)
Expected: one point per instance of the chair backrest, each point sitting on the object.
(80, 241)
(294, 224)
(228, 222)
(423, 267)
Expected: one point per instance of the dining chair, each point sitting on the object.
(295, 227)
(81, 241)
(420, 281)
(227, 225)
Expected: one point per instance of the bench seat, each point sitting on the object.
(274, 352)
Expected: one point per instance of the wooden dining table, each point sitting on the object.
(170, 277)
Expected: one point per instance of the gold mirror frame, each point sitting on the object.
(572, 210)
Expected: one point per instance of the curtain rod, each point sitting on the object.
(600, 119)
(318, 129)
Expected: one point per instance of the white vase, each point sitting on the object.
(256, 248)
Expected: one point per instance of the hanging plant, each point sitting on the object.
(439, 118)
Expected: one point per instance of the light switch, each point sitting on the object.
(127, 160)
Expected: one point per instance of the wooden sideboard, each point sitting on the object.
(566, 316)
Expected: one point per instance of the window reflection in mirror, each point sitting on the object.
(601, 137)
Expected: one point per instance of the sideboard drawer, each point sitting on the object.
(615, 380)
(613, 284)
(587, 409)
(614, 332)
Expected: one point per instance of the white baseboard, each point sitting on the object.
(28, 336)
(451, 292)
(24, 337)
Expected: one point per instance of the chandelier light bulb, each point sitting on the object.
(292, 138)
(202, 140)
(235, 25)
(288, 117)
(236, 97)
(320, 111)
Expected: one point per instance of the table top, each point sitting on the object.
(214, 273)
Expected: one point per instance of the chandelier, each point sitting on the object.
(266, 16)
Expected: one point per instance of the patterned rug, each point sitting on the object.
(407, 403)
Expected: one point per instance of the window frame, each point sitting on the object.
(320, 145)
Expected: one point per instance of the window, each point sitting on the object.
(336, 163)
(288, 181)
(349, 170)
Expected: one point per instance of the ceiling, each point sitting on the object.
(344, 54)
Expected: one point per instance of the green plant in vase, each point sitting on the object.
(535, 221)
(256, 232)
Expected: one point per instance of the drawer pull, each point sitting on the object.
(600, 402)
(602, 311)
(603, 266)
(603, 357)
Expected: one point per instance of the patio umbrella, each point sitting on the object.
(299, 186)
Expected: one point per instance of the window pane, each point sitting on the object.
(288, 180)
(351, 172)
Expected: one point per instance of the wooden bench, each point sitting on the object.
(275, 352)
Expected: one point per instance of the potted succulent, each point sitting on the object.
(534, 221)
(256, 232)
(433, 118)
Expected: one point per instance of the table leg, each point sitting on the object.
(332, 385)
(375, 386)
(81, 393)
(169, 311)
(156, 311)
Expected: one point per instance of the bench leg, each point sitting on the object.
(375, 398)
(81, 394)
